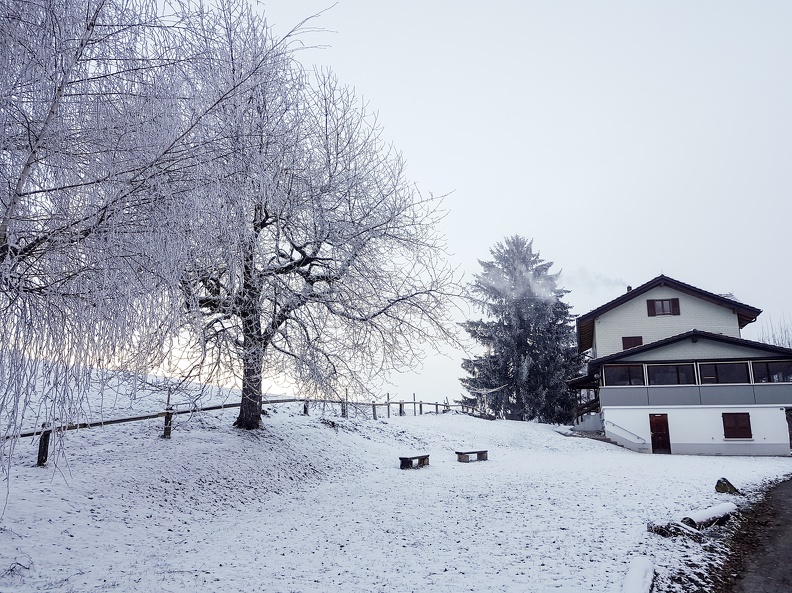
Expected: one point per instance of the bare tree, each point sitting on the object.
(152, 159)
(314, 257)
(777, 332)
(100, 104)
(84, 134)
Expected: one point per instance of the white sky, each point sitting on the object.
(628, 139)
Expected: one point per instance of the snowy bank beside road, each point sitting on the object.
(302, 506)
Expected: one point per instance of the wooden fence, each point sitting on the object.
(398, 408)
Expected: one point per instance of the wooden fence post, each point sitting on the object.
(401, 408)
(166, 434)
(420, 408)
(374, 410)
(44, 440)
(437, 408)
(413, 403)
(344, 405)
(305, 408)
(387, 396)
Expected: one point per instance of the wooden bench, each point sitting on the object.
(464, 456)
(407, 462)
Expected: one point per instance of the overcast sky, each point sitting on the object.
(628, 139)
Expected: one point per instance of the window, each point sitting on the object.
(737, 426)
(624, 374)
(671, 374)
(724, 372)
(773, 372)
(656, 307)
(631, 342)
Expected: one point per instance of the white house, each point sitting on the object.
(671, 374)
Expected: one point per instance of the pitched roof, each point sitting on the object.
(585, 323)
(774, 351)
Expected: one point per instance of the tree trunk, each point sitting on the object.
(253, 352)
(250, 408)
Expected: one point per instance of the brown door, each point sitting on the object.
(658, 425)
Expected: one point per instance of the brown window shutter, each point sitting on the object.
(631, 342)
(650, 308)
(674, 306)
(737, 425)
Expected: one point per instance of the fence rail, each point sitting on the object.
(418, 408)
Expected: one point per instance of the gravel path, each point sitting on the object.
(759, 562)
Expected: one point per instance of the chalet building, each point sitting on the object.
(669, 373)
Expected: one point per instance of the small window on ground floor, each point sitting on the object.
(737, 425)
(671, 374)
(624, 374)
(773, 372)
(724, 372)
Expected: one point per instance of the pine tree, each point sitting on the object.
(528, 338)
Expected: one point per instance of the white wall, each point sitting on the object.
(631, 319)
(702, 350)
(699, 429)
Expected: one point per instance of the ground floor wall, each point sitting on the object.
(699, 430)
(591, 422)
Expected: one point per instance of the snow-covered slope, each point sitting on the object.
(312, 504)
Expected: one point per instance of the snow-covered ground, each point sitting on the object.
(319, 504)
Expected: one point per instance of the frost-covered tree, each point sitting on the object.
(167, 171)
(102, 104)
(91, 117)
(312, 256)
(528, 337)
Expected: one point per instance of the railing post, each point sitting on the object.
(44, 440)
(374, 410)
(166, 433)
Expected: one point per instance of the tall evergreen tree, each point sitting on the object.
(528, 339)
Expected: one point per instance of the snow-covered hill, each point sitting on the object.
(313, 504)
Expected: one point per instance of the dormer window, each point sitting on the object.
(658, 307)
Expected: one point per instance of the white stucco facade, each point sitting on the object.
(631, 319)
(698, 430)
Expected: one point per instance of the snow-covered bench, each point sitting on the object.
(464, 456)
(407, 462)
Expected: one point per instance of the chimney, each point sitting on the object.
(629, 288)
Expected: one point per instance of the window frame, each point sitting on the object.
(630, 376)
(690, 365)
(654, 310)
(757, 364)
(634, 342)
(718, 381)
(737, 425)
